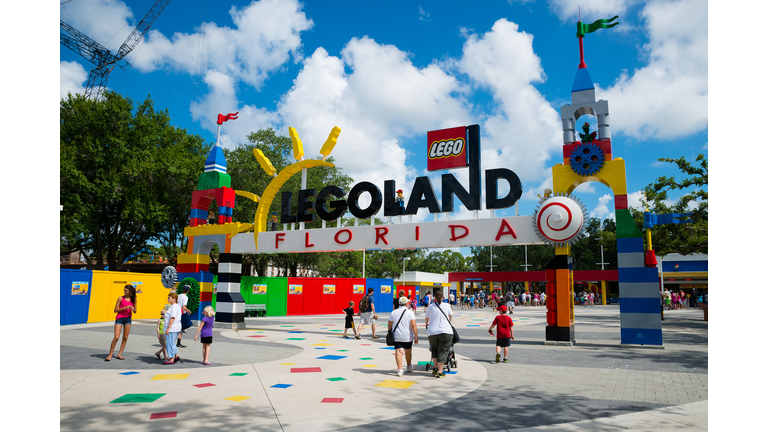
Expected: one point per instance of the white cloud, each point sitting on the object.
(602, 211)
(424, 15)
(104, 21)
(72, 75)
(525, 130)
(633, 200)
(591, 10)
(266, 36)
(668, 98)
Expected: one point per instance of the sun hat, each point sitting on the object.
(403, 300)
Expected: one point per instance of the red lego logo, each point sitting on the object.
(447, 148)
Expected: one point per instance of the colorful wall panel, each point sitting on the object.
(295, 296)
(313, 288)
(329, 291)
(76, 287)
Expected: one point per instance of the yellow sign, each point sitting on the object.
(358, 289)
(386, 289)
(259, 289)
(295, 289)
(329, 289)
(79, 288)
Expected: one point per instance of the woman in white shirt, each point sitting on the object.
(440, 333)
(402, 322)
(172, 328)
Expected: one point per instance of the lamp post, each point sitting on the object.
(602, 260)
(404, 260)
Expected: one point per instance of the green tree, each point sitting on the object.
(681, 238)
(512, 258)
(124, 174)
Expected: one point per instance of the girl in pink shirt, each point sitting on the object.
(125, 308)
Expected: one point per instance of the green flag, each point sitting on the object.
(582, 29)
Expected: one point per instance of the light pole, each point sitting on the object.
(404, 260)
(602, 260)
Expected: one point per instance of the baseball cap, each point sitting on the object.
(502, 308)
(403, 300)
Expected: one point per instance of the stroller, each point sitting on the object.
(450, 363)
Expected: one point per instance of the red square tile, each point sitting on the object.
(332, 400)
(365, 344)
(257, 336)
(309, 369)
(205, 385)
(170, 414)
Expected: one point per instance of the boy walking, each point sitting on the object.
(368, 314)
(504, 334)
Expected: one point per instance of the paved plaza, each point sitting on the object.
(299, 374)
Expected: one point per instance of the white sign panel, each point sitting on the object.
(502, 231)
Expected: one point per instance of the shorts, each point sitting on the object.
(161, 339)
(206, 339)
(404, 345)
(366, 318)
(502, 342)
(348, 323)
(440, 346)
(123, 321)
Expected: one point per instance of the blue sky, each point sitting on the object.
(386, 73)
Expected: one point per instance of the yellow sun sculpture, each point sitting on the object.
(265, 201)
(260, 219)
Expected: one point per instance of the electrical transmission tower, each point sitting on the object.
(100, 56)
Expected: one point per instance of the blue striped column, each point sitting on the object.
(639, 293)
(230, 305)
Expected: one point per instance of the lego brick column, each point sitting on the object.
(638, 286)
(559, 276)
(230, 305)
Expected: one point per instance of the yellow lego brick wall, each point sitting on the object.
(108, 286)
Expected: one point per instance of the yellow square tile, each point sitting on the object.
(169, 377)
(287, 364)
(370, 365)
(395, 384)
(321, 344)
(237, 398)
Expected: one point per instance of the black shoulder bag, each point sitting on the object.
(391, 333)
(456, 338)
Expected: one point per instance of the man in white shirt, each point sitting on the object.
(453, 299)
(183, 300)
(402, 323)
(439, 332)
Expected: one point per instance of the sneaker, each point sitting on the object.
(409, 369)
(345, 337)
(505, 360)
(358, 337)
(440, 375)
(434, 372)
(498, 356)
(399, 372)
(374, 337)
(179, 345)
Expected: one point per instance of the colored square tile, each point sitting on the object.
(287, 364)
(288, 326)
(160, 377)
(331, 357)
(238, 374)
(128, 373)
(329, 325)
(332, 400)
(388, 348)
(295, 338)
(162, 415)
(138, 398)
(305, 370)
(319, 348)
(370, 365)
(342, 350)
(237, 398)
(321, 344)
(336, 379)
(365, 344)
(423, 363)
(205, 385)
(451, 372)
(336, 330)
(282, 385)
(258, 336)
(395, 384)
(295, 332)
(366, 358)
(473, 325)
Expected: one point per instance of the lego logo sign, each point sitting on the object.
(447, 149)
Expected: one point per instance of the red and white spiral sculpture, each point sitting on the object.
(559, 220)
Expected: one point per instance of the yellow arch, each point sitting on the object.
(260, 219)
(613, 174)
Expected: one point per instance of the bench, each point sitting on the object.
(259, 309)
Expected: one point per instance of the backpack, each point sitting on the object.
(363, 304)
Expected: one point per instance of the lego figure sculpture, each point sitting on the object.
(400, 201)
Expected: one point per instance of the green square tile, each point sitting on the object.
(138, 398)
(288, 326)
(366, 358)
(238, 374)
(337, 379)
(295, 338)
(342, 350)
(336, 330)
(423, 363)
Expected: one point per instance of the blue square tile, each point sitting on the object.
(128, 373)
(295, 332)
(319, 348)
(282, 385)
(331, 357)
(389, 348)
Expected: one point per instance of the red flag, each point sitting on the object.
(223, 118)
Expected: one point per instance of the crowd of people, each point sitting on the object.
(682, 300)
(480, 299)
